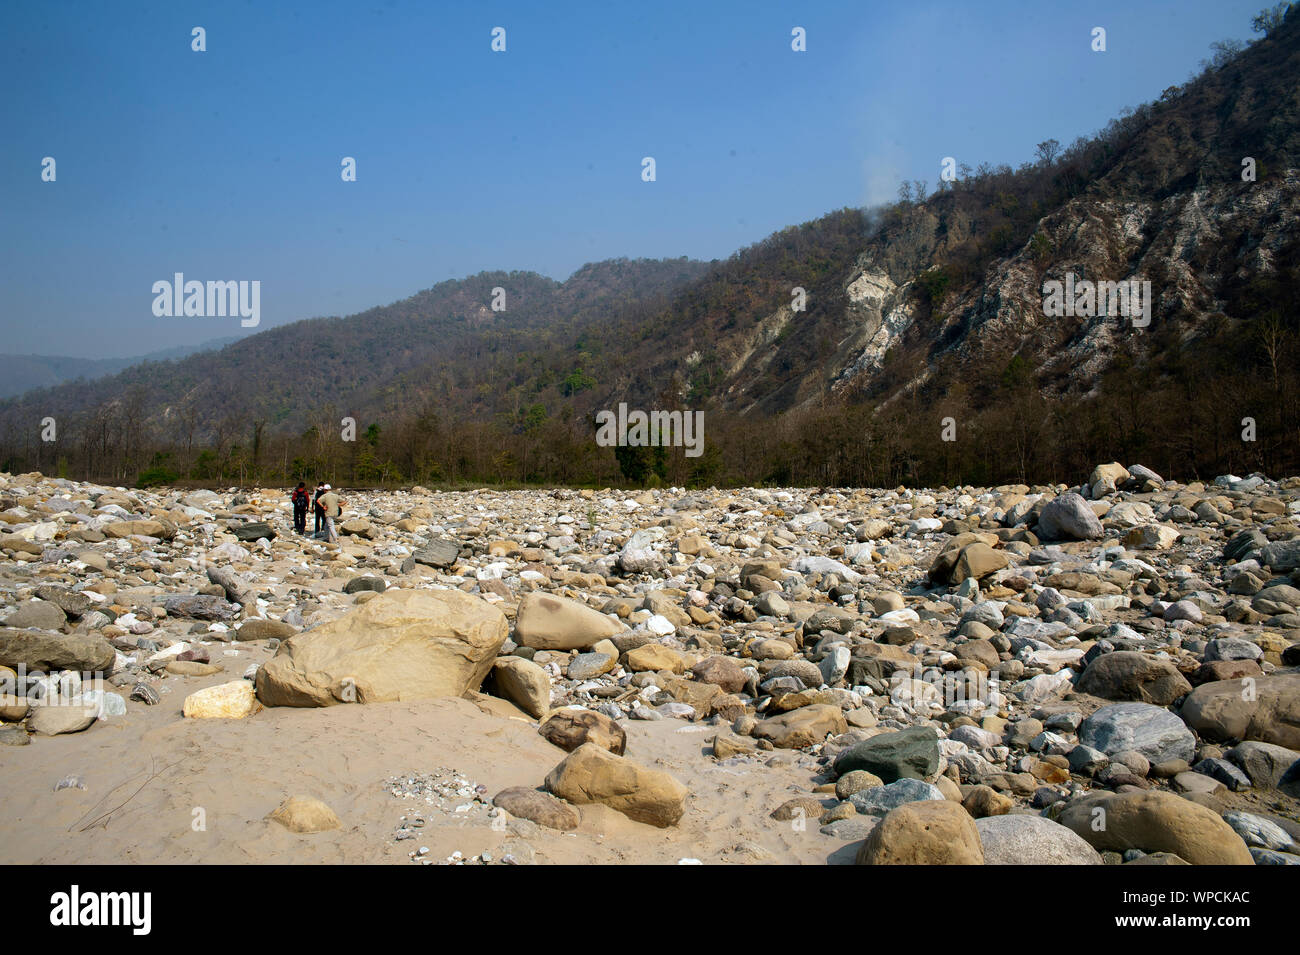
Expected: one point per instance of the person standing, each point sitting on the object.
(301, 499)
(330, 503)
(315, 508)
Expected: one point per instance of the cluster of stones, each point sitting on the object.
(969, 674)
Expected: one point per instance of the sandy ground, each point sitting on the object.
(238, 771)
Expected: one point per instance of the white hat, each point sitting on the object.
(327, 487)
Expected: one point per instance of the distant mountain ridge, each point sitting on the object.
(22, 373)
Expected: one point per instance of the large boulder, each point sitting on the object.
(523, 683)
(37, 614)
(1132, 675)
(226, 701)
(546, 622)
(402, 645)
(1069, 517)
(569, 729)
(878, 800)
(1032, 840)
(1155, 821)
(978, 560)
(537, 806)
(802, 727)
(253, 530)
(42, 652)
(591, 774)
(1264, 708)
(1264, 763)
(1153, 731)
(911, 753)
(938, 832)
(439, 553)
(163, 530)
(725, 672)
(69, 717)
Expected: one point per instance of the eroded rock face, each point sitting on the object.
(402, 645)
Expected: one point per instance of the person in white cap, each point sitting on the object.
(330, 503)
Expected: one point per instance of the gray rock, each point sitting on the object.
(43, 652)
(13, 735)
(38, 614)
(1224, 771)
(1153, 731)
(62, 718)
(1032, 840)
(1087, 761)
(1281, 556)
(911, 753)
(1271, 857)
(1243, 544)
(438, 553)
(853, 829)
(200, 607)
(1232, 648)
(1068, 517)
(588, 666)
(881, 799)
(1264, 763)
(358, 584)
(71, 602)
(253, 530)
(1258, 832)
(145, 693)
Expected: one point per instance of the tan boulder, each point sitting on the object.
(569, 729)
(305, 814)
(143, 528)
(402, 645)
(725, 672)
(524, 684)
(546, 622)
(227, 701)
(1156, 821)
(536, 806)
(63, 718)
(1266, 709)
(13, 708)
(656, 656)
(591, 774)
(805, 726)
(931, 832)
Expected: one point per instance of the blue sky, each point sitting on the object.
(226, 164)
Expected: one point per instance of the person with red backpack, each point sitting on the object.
(300, 501)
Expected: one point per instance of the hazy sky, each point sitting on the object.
(225, 164)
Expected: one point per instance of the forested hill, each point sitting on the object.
(828, 353)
